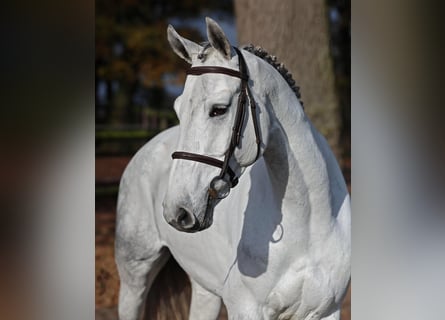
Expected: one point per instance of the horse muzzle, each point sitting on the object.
(186, 220)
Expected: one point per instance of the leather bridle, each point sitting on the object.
(238, 124)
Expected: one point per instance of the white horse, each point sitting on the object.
(277, 246)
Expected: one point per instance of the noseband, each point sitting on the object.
(239, 120)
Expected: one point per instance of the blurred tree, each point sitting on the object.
(340, 27)
(133, 56)
(297, 32)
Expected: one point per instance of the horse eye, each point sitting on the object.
(217, 111)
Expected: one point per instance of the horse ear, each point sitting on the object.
(184, 48)
(218, 39)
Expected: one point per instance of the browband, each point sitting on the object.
(197, 71)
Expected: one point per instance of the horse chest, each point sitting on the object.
(282, 277)
(295, 293)
(301, 291)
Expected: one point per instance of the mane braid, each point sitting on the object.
(272, 60)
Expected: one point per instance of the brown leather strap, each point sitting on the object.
(197, 71)
(246, 89)
(255, 123)
(207, 160)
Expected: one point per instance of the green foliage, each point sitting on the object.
(133, 55)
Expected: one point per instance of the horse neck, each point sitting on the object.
(296, 166)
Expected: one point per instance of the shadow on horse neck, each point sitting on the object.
(263, 216)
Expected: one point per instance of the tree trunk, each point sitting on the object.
(296, 31)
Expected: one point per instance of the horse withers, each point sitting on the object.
(245, 194)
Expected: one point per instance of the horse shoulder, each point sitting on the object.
(141, 190)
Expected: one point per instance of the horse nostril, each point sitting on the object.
(185, 219)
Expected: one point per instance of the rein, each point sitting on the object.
(238, 124)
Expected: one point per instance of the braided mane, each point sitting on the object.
(272, 60)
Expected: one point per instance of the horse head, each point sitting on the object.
(216, 141)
